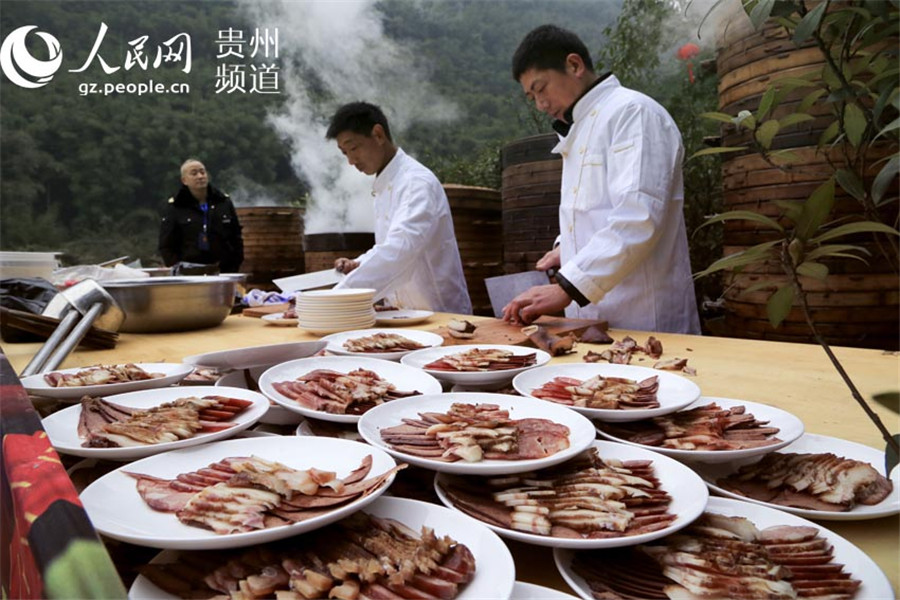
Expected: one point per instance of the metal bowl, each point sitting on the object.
(164, 304)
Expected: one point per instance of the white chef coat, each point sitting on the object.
(415, 260)
(623, 243)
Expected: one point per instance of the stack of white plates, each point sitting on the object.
(330, 311)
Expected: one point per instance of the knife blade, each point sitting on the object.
(308, 281)
(502, 289)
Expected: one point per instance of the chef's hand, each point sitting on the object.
(345, 265)
(531, 304)
(549, 260)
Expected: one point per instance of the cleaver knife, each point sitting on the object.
(501, 290)
(308, 281)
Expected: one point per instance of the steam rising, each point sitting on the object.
(331, 53)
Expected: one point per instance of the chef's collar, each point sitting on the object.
(383, 179)
(562, 127)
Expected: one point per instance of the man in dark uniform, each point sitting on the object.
(200, 224)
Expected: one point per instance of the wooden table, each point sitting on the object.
(795, 377)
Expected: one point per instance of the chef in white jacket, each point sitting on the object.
(622, 254)
(415, 260)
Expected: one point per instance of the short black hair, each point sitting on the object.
(546, 47)
(358, 117)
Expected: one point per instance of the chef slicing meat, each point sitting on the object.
(623, 252)
(415, 261)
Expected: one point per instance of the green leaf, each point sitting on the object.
(744, 215)
(813, 269)
(809, 23)
(779, 305)
(889, 400)
(766, 132)
(794, 118)
(884, 178)
(787, 155)
(815, 210)
(892, 126)
(792, 208)
(793, 82)
(708, 151)
(890, 456)
(749, 256)
(854, 124)
(761, 12)
(851, 228)
(851, 183)
(809, 100)
(830, 78)
(838, 250)
(718, 116)
(829, 134)
(759, 285)
(766, 103)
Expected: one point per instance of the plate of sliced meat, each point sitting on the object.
(341, 388)
(711, 430)
(388, 344)
(609, 392)
(734, 546)
(476, 365)
(817, 476)
(138, 424)
(410, 549)
(607, 496)
(105, 380)
(477, 433)
(236, 493)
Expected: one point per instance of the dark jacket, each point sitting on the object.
(181, 231)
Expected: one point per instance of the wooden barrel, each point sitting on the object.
(477, 223)
(857, 305)
(531, 181)
(273, 243)
(321, 249)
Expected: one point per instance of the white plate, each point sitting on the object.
(402, 316)
(581, 431)
(494, 567)
(118, 511)
(280, 320)
(334, 327)
(790, 428)
(855, 561)
(687, 491)
(810, 443)
(62, 426)
(339, 295)
(404, 379)
(255, 356)
(276, 415)
(173, 373)
(675, 392)
(425, 338)
(530, 591)
(420, 358)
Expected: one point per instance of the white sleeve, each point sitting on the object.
(387, 264)
(644, 158)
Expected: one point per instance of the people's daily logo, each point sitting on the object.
(20, 67)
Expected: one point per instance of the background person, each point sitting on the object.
(415, 260)
(623, 252)
(200, 224)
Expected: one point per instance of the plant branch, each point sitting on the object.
(873, 416)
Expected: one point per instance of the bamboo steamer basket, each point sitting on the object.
(531, 181)
(273, 243)
(478, 225)
(857, 305)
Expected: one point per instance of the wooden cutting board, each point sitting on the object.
(266, 309)
(496, 331)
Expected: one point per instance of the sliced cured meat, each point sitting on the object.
(340, 393)
(473, 432)
(820, 481)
